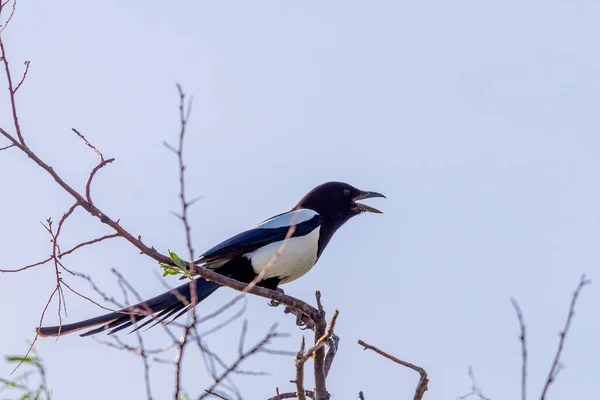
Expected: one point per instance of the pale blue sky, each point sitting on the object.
(478, 120)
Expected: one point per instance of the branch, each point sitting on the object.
(423, 381)
(292, 395)
(270, 335)
(300, 372)
(556, 365)
(151, 252)
(522, 338)
(475, 389)
(24, 75)
(13, 103)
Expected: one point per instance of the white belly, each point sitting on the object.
(298, 257)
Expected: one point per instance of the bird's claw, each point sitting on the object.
(302, 321)
(275, 303)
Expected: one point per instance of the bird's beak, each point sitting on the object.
(363, 207)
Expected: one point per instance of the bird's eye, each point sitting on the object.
(347, 192)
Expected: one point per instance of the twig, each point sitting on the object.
(91, 146)
(270, 335)
(12, 12)
(332, 344)
(82, 244)
(37, 335)
(142, 349)
(300, 371)
(292, 395)
(523, 339)
(322, 340)
(556, 366)
(423, 381)
(64, 253)
(24, 75)
(11, 91)
(88, 184)
(321, 392)
(475, 389)
(217, 395)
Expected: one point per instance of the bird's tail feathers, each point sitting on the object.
(157, 309)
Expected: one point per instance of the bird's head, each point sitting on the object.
(338, 201)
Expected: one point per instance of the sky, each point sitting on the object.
(478, 120)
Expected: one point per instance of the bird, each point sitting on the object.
(314, 220)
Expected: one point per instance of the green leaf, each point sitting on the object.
(178, 261)
(21, 359)
(179, 267)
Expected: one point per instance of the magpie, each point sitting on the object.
(280, 253)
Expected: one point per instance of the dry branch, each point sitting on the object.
(423, 381)
(556, 365)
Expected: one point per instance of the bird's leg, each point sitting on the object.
(275, 303)
(302, 320)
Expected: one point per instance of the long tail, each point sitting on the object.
(158, 309)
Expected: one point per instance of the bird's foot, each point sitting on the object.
(275, 303)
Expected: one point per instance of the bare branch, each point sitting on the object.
(89, 242)
(522, 338)
(12, 13)
(265, 340)
(91, 146)
(11, 91)
(332, 344)
(88, 184)
(292, 395)
(300, 371)
(475, 389)
(556, 365)
(423, 381)
(321, 392)
(322, 340)
(64, 253)
(24, 75)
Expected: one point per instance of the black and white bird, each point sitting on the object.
(242, 257)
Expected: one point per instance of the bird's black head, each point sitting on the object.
(336, 202)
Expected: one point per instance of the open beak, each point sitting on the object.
(363, 207)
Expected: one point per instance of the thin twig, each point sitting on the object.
(423, 381)
(64, 253)
(523, 340)
(91, 146)
(11, 91)
(321, 392)
(292, 395)
(12, 13)
(266, 339)
(322, 340)
(89, 242)
(88, 184)
(556, 365)
(332, 344)
(300, 371)
(475, 389)
(24, 75)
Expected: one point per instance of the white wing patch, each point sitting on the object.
(293, 217)
(297, 258)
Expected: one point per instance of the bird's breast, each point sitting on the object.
(296, 257)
